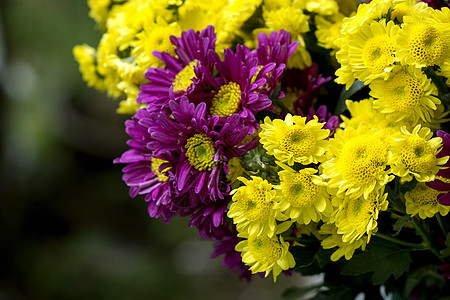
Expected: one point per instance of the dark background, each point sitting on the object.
(68, 229)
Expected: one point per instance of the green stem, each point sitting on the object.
(426, 238)
(441, 224)
(399, 242)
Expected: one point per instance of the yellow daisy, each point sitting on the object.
(86, 57)
(414, 154)
(410, 8)
(253, 209)
(304, 197)
(371, 50)
(422, 200)
(423, 42)
(294, 140)
(265, 254)
(357, 217)
(406, 93)
(328, 31)
(360, 161)
(334, 240)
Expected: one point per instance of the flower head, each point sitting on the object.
(360, 162)
(422, 201)
(265, 254)
(303, 195)
(334, 239)
(253, 209)
(414, 154)
(180, 73)
(294, 140)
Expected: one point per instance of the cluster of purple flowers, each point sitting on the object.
(201, 111)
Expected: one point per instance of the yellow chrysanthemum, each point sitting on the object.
(371, 50)
(198, 14)
(445, 71)
(129, 106)
(334, 239)
(423, 43)
(359, 165)
(407, 93)
(422, 200)
(99, 10)
(357, 217)
(253, 208)
(290, 18)
(265, 254)
(322, 7)
(363, 112)
(328, 31)
(236, 170)
(86, 57)
(366, 13)
(294, 140)
(409, 8)
(304, 197)
(414, 155)
(442, 15)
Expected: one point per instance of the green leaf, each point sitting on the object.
(418, 275)
(346, 94)
(382, 258)
(446, 251)
(402, 221)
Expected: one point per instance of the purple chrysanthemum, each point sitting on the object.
(277, 48)
(442, 182)
(239, 87)
(331, 121)
(203, 147)
(148, 175)
(181, 73)
(445, 269)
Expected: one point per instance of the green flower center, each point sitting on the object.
(200, 152)
(417, 155)
(299, 190)
(403, 92)
(184, 78)
(226, 102)
(264, 249)
(377, 53)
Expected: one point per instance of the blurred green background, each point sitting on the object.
(68, 229)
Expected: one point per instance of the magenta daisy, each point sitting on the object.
(203, 147)
(146, 174)
(181, 73)
(277, 48)
(442, 181)
(239, 87)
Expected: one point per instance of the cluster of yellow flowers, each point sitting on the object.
(394, 47)
(133, 29)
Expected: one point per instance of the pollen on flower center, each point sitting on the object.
(403, 92)
(226, 102)
(417, 155)
(300, 191)
(297, 140)
(377, 53)
(200, 152)
(184, 78)
(363, 158)
(156, 163)
(426, 44)
(359, 209)
(255, 206)
(264, 249)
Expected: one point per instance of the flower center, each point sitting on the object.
(417, 155)
(359, 210)
(403, 92)
(426, 44)
(363, 159)
(156, 163)
(264, 249)
(299, 190)
(424, 195)
(378, 53)
(183, 79)
(200, 152)
(226, 102)
(297, 140)
(256, 206)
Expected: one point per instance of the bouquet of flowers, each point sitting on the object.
(297, 136)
